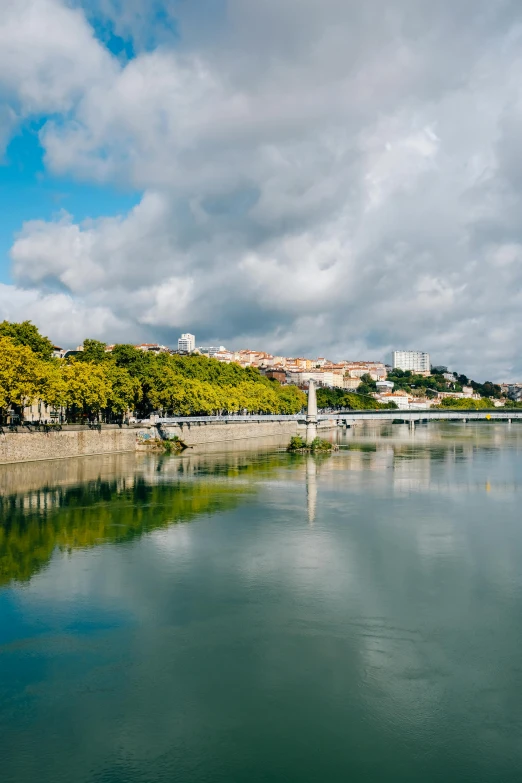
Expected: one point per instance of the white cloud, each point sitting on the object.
(318, 176)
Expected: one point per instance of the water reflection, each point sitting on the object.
(112, 500)
(355, 616)
(73, 504)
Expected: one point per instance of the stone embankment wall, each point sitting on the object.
(218, 432)
(27, 445)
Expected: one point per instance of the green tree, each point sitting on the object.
(93, 351)
(367, 385)
(87, 388)
(26, 333)
(465, 403)
(125, 391)
(19, 375)
(52, 385)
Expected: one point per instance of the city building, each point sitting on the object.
(152, 348)
(275, 374)
(514, 391)
(210, 350)
(187, 343)
(320, 377)
(376, 370)
(415, 361)
(351, 384)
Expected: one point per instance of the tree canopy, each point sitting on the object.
(27, 334)
(339, 399)
(97, 383)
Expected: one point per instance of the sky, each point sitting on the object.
(306, 177)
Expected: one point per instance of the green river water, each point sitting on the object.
(248, 615)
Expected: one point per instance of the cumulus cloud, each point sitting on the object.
(317, 177)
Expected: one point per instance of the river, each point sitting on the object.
(245, 615)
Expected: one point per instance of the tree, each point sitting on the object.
(291, 400)
(465, 403)
(26, 333)
(87, 388)
(367, 385)
(19, 374)
(125, 391)
(93, 351)
(52, 385)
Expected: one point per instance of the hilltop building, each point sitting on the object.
(187, 343)
(415, 361)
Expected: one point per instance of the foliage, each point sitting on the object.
(19, 373)
(424, 385)
(297, 443)
(97, 383)
(436, 382)
(93, 351)
(465, 403)
(87, 387)
(367, 385)
(125, 391)
(85, 516)
(339, 399)
(513, 404)
(319, 444)
(27, 334)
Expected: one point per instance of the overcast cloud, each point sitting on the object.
(319, 176)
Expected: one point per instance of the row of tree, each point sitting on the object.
(96, 384)
(339, 399)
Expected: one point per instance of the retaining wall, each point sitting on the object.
(24, 445)
(217, 432)
(30, 446)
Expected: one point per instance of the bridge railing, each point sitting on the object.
(387, 415)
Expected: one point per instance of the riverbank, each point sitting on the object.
(26, 444)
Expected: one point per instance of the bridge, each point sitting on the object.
(349, 418)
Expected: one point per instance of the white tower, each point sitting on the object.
(311, 416)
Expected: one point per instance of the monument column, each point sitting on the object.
(311, 416)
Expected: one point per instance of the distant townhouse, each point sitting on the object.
(319, 376)
(224, 356)
(275, 374)
(152, 348)
(376, 370)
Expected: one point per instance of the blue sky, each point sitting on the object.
(311, 177)
(28, 191)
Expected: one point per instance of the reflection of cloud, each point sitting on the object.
(393, 604)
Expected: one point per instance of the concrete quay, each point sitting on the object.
(27, 444)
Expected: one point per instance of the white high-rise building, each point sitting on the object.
(187, 342)
(416, 361)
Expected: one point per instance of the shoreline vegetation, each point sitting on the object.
(96, 385)
(298, 445)
(172, 445)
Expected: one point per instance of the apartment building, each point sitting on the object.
(415, 361)
(376, 370)
(320, 377)
(187, 343)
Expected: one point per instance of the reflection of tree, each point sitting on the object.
(114, 510)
